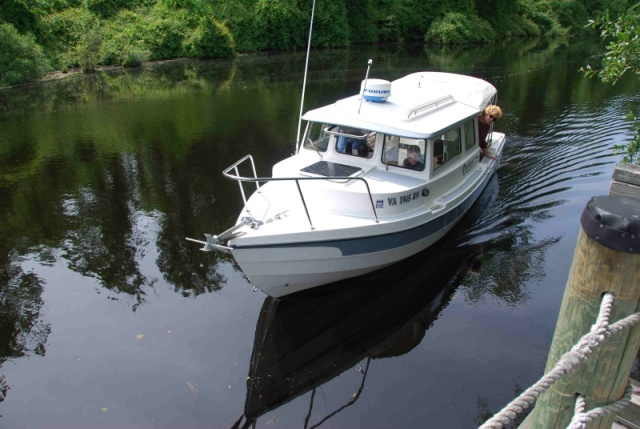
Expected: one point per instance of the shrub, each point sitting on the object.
(133, 57)
(544, 16)
(210, 39)
(108, 8)
(20, 13)
(361, 21)
(238, 16)
(123, 41)
(164, 31)
(71, 37)
(87, 51)
(572, 15)
(22, 59)
(279, 25)
(539, 14)
(460, 29)
(330, 27)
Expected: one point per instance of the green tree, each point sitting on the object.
(21, 13)
(622, 56)
(210, 39)
(22, 59)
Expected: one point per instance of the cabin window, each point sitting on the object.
(404, 152)
(452, 144)
(355, 142)
(447, 147)
(438, 153)
(469, 135)
(317, 137)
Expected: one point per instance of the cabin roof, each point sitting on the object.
(421, 105)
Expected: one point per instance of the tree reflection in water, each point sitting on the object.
(22, 331)
(504, 269)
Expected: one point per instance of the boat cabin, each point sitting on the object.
(392, 152)
(425, 123)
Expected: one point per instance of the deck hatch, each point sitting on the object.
(330, 169)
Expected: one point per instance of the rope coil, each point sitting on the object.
(567, 364)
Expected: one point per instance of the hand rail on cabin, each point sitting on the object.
(429, 106)
(257, 181)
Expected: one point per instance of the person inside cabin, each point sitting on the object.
(345, 142)
(412, 160)
(362, 147)
(489, 115)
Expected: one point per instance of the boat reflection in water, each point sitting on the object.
(305, 340)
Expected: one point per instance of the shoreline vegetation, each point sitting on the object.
(57, 38)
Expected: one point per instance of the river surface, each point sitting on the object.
(109, 318)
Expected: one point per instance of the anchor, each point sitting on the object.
(213, 241)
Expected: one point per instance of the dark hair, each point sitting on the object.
(414, 148)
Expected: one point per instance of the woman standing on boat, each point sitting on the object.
(489, 115)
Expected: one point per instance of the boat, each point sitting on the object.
(305, 340)
(377, 176)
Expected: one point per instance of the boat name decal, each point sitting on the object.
(468, 166)
(404, 199)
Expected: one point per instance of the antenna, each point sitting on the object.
(364, 87)
(304, 82)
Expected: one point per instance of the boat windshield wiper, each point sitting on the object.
(315, 147)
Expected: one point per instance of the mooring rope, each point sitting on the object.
(567, 364)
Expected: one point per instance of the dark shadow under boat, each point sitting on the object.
(309, 338)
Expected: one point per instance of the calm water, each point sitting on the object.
(110, 319)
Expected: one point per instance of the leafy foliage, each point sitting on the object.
(210, 39)
(358, 17)
(623, 45)
(631, 150)
(458, 29)
(544, 16)
(69, 38)
(90, 33)
(108, 8)
(279, 25)
(571, 15)
(22, 60)
(123, 42)
(330, 28)
(238, 15)
(622, 56)
(19, 13)
(164, 31)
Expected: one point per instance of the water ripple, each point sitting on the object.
(553, 165)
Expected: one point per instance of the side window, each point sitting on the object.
(316, 137)
(469, 135)
(438, 153)
(404, 152)
(447, 147)
(452, 144)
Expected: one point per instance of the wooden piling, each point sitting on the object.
(606, 259)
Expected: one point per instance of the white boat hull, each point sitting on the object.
(280, 270)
